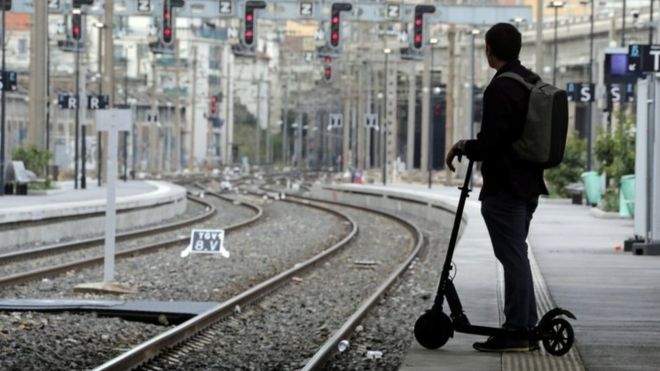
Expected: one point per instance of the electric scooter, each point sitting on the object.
(434, 328)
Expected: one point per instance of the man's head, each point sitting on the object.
(503, 42)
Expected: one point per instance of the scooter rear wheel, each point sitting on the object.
(433, 329)
(558, 337)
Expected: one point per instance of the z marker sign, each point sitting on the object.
(206, 241)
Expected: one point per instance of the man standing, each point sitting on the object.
(511, 186)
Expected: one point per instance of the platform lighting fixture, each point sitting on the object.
(518, 21)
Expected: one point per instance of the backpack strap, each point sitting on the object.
(514, 76)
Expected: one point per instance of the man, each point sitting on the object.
(511, 186)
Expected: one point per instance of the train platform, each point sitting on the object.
(66, 201)
(577, 267)
(66, 213)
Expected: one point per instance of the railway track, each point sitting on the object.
(145, 248)
(190, 336)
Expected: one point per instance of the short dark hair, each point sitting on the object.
(505, 41)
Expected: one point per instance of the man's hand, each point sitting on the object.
(458, 150)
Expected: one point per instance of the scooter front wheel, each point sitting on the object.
(558, 337)
(433, 329)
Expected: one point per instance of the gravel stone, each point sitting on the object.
(38, 341)
(285, 329)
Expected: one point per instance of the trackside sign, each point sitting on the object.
(207, 241)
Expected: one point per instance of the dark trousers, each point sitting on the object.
(507, 219)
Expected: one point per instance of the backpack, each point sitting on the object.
(544, 136)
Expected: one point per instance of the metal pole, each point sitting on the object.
(623, 25)
(285, 121)
(649, 158)
(539, 37)
(77, 118)
(554, 56)
(257, 142)
(651, 24)
(125, 134)
(47, 101)
(591, 81)
(430, 160)
(3, 130)
(472, 61)
(99, 136)
(83, 158)
(385, 123)
(191, 155)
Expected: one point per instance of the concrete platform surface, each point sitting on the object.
(613, 294)
(67, 202)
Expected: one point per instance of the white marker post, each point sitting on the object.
(112, 121)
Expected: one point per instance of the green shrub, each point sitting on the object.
(570, 169)
(615, 152)
(34, 158)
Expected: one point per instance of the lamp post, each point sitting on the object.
(432, 42)
(76, 156)
(475, 32)
(555, 5)
(590, 72)
(3, 131)
(387, 52)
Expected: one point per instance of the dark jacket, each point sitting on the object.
(504, 111)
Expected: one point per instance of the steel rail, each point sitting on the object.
(88, 242)
(330, 346)
(140, 250)
(151, 348)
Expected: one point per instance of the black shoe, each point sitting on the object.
(504, 344)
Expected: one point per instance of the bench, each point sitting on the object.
(17, 178)
(575, 190)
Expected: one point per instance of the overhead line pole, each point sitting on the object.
(3, 130)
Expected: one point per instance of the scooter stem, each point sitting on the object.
(465, 193)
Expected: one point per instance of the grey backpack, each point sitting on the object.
(544, 136)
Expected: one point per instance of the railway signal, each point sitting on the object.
(6, 5)
(76, 25)
(80, 3)
(327, 69)
(335, 22)
(249, 21)
(418, 27)
(168, 20)
(213, 105)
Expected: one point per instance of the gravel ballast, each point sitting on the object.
(286, 235)
(284, 330)
(387, 330)
(38, 341)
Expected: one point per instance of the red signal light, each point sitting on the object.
(328, 73)
(335, 21)
(76, 26)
